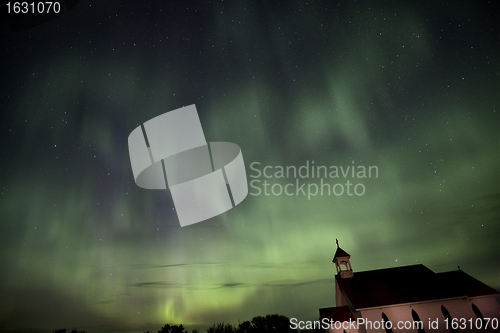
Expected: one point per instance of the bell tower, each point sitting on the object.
(342, 263)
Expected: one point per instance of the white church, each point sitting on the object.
(409, 299)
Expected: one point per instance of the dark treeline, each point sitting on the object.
(271, 323)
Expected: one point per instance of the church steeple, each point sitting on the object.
(342, 263)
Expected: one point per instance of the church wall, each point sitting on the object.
(393, 313)
(348, 329)
(339, 298)
(430, 312)
(459, 309)
(488, 306)
(341, 330)
(431, 316)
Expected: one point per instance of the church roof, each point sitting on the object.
(466, 284)
(408, 284)
(340, 253)
(339, 313)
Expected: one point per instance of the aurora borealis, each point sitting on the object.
(408, 87)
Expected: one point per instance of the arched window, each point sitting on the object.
(479, 315)
(417, 323)
(386, 326)
(447, 315)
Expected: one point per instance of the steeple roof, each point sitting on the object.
(340, 253)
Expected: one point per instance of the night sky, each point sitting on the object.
(411, 87)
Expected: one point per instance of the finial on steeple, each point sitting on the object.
(337, 241)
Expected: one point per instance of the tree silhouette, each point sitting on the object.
(221, 328)
(271, 323)
(173, 329)
(244, 327)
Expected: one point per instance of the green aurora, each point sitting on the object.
(411, 88)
